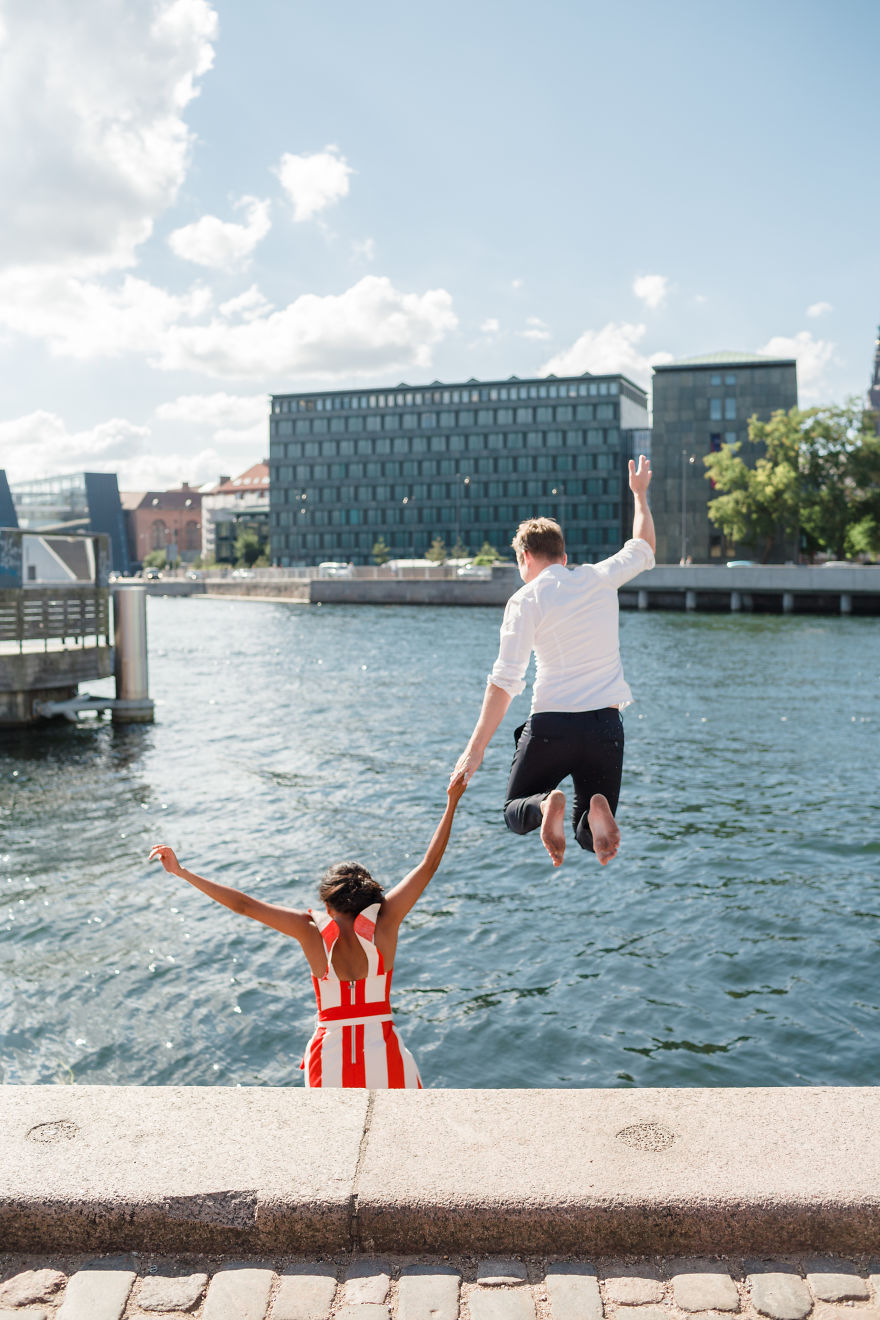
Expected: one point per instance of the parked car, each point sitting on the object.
(243, 573)
(474, 571)
(331, 569)
(152, 574)
(195, 575)
(740, 563)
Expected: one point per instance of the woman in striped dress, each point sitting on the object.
(350, 949)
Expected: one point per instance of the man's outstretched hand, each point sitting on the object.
(640, 477)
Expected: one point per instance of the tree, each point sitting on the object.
(381, 552)
(155, 559)
(819, 475)
(436, 551)
(487, 554)
(248, 548)
(459, 550)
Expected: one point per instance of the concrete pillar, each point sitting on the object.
(643, 599)
(133, 704)
(788, 602)
(736, 602)
(846, 603)
(690, 600)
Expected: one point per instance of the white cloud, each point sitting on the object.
(370, 328)
(217, 410)
(221, 244)
(813, 356)
(364, 249)
(700, 298)
(94, 145)
(819, 308)
(491, 325)
(536, 329)
(86, 319)
(313, 183)
(40, 445)
(613, 348)
(652, 289)
(247, 305)
(516, 284)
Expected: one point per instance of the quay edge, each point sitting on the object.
(285, 1170)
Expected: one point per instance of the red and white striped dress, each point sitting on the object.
(355, 1043)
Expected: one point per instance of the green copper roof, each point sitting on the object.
(726, 358)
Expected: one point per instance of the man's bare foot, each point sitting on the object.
(603, 827)
(553, 825)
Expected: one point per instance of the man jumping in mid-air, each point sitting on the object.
(569, 619)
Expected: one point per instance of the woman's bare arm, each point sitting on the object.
(297, 924)
(399, 900)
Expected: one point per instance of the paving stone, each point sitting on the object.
(501, 1304)
(305, 1292)
(364, 1311)
(833, 1280)
(97, 1292)
(428, 1292)
(238, 1292)
(573, 1291)
(171, 1292)
(367, 1281)
(501, 1273)
(842, 1311)
(642, 1313)
(31, 1286)
(633, 1285)
(703, 1285)
(30, 1314)
(780, 1293)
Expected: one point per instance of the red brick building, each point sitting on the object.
(169, 520)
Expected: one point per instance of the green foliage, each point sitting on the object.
(381, 552)
(459, 550)
(436, 551)
(155, 559)
(487, 554)
(819, 475)
(248, 549)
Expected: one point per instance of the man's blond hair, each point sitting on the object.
(542, 537)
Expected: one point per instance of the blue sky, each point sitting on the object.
(215, 200)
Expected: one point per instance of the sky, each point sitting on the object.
(208, 201)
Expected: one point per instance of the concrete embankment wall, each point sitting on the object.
(552, 1171)
(785, 589)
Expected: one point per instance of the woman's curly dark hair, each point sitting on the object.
(349, 887)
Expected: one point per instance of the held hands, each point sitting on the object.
(160, 852)
(457, 786)
(640, 477)
(466, 766)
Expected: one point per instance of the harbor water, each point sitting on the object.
(735, 940)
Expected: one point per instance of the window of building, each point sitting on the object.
(715, 410)
(605, 411)
(429, 419)
(730, 378)
(730, 410)
(715, 378)
(505, 416)
(383, 444)
(302, 427)
(400, 444)
(715, 442)
(320, 472)
(485, 417)
(475, 442)
(447, 418)
(420, 444)
(346, 448)
(390, 421)
(365, 446)
(158, 534)
(565, 412)
(466, 417)
(373, 423)
(544, 413)
(730, 437)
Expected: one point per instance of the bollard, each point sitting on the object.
(846, 603)
(643, 599)
(736, 602)
(132, 704)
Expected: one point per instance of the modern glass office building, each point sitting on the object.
(462, 462)
(699, 404)
(75, 502)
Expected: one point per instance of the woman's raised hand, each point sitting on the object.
(160, 852)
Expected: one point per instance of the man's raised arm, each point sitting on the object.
(639, 481)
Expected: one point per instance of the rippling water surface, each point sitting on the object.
(734, 941)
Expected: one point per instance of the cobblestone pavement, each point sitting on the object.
(438, 1288)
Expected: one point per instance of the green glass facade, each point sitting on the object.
(463, 461)
(699, 404)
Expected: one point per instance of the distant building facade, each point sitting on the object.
(874, 389)
(8, 516)
(234, 504)
(75, 502)
(167, 520)
(464, 461)
(699, 404)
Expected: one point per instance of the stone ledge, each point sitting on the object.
(287, 1170)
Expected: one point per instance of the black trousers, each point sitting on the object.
(588, 745)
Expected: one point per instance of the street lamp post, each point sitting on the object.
(301, 524)
(687, 461)
(461, 485)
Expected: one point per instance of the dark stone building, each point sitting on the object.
(701, 403)
(463, 461)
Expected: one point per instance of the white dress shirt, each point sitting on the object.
(568, 617)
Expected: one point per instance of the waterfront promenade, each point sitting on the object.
(245, 1203)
